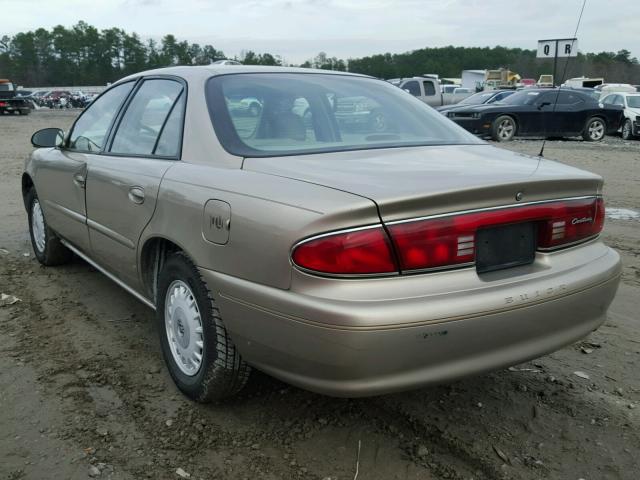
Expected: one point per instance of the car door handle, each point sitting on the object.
(79, 179)
(136, 194)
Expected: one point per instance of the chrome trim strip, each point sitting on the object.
(488, 209)
(107, 232)
(456, 266)
(567, 245)
(112, 277)
(334, 232)
(78, 217)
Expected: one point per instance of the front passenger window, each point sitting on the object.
(90, 131)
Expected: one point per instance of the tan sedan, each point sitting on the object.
(341, 235)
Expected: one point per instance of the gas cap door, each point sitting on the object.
(216, 221)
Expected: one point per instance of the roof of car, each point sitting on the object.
(205, 71)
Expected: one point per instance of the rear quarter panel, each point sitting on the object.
(269, 214)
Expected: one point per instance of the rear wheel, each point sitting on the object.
(202, 360)
(46, 244)
(594, 130)
(504, 129)
(627, 130)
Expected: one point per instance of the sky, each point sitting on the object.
(298, 29)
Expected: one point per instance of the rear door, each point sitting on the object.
(61, 173)
(123, 182)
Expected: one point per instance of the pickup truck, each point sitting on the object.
(9, 102)
(428, 90)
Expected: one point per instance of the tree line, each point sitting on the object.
(84, 55)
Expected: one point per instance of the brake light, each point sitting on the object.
(3, 104)
(449, 241)
(355, 252)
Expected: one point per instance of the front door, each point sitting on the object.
(122, 183)
(61, 173)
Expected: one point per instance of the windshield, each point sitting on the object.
(477, 99)
(278, 114)
(633, 101)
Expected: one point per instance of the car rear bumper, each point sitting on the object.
(367, 347)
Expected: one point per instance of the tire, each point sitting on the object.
(25, 111)
(627, 130)
(503, 129)
(594, 130)
(45, 243)
(195, 329)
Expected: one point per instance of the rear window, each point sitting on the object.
(273, 114)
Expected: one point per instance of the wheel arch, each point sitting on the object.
(27, 185)
(153, 254)
(599, 116)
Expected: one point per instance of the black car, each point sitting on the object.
(482, 98)
(531, 112)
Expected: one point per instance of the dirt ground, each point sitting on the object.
(84, 393)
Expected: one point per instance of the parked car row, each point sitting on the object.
(61, 98)
(541, 112)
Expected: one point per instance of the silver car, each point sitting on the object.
(348, 261)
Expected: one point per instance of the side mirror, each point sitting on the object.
(47, 137)
(543, 104)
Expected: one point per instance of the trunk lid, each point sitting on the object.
(420, 181)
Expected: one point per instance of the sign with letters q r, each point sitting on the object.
(567, 47)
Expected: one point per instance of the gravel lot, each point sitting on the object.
(84, 393)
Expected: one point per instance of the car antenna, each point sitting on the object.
(564, 73)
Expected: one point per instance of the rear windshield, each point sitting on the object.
(633, 101)
(272, 114)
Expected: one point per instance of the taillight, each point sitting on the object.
(572, 222)
(352, 252)
(3, 104)
(449, 240)
(444, 241)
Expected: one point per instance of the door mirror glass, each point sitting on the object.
(47, 137)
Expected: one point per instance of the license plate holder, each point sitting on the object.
(505, 246)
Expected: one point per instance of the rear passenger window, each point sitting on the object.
(169, 141)
(145, 117)
(566, 98)
(429, 89)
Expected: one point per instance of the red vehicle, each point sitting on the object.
(528, 82)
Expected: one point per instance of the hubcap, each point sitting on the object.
(596, 130)
(505, 129)
(626, 130)
(37, 226)
(184, 327)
